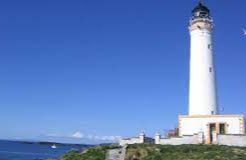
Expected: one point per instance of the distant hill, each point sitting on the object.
(47, 143)
(52, 143)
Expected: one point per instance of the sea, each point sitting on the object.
(18, 150)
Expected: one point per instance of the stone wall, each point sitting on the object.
(232, 140)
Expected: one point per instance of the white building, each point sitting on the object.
(211, 126)
(204, 124)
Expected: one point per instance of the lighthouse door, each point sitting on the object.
(212, 129)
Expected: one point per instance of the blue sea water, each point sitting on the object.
(12, 150)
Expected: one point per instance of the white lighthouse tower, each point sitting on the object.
(202, 95)
(203, 118)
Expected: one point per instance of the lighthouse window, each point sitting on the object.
(210, 69)
(222, 128)
(203, 14)
(209, 46)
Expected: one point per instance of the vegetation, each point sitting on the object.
(164, 152)
(184, 152)
(95, 153)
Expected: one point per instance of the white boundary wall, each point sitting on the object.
(134, 140)
(195, 139)
(228, 140)
(232, 140)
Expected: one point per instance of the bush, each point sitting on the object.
(95, 153)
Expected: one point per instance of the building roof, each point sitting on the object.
(200, 7)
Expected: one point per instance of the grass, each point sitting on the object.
(164, 152)
(184, 152)
(95, 153)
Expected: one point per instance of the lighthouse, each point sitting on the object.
(202, 89)
(203, 118)
(203, 124)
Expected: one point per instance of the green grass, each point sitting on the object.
(164, 152)
(184, 152)
(95, 153)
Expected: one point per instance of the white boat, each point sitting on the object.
(53, 146)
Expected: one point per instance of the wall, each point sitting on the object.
(195, 139)
(229, 140)
(232, 140)
(134, 140)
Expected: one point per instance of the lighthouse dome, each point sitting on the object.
(200, 11)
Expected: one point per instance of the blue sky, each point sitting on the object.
(77, 71)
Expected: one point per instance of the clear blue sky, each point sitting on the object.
(108, 67)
